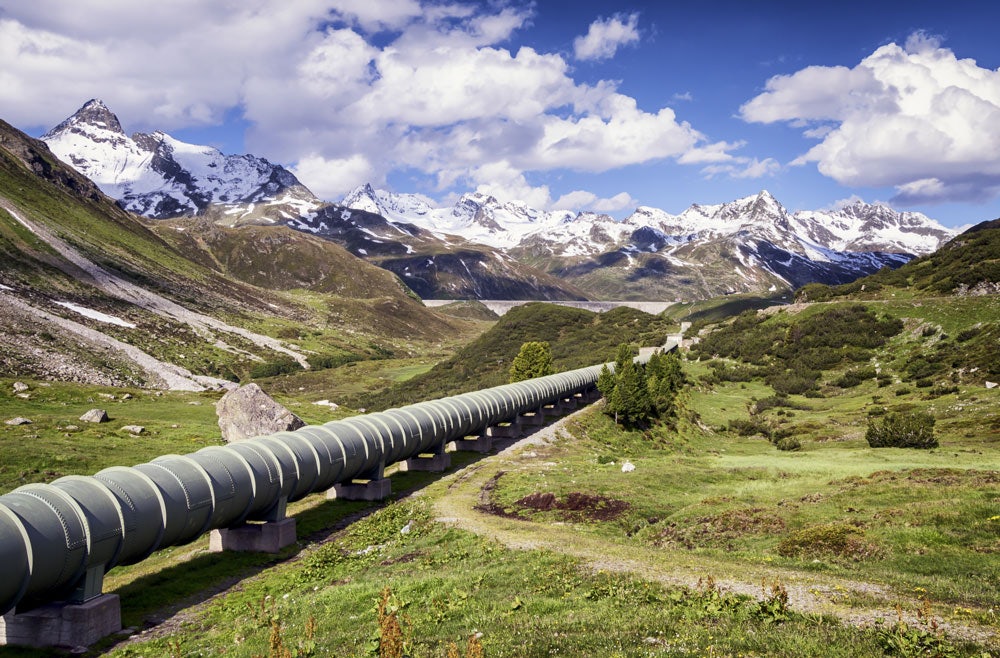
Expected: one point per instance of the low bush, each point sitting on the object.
(854, 377)
(750, 427)
(788, 444)
(274, 368)
(792, 382)
(902, 430)
(837, 539)
(778, 401)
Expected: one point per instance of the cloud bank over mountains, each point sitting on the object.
(351, 91)
(914, 117)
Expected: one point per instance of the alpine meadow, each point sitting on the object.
(499, 329)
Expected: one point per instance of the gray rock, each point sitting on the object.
(134, 429)
(248, 411)
(20, 387)
(18, 421)
(95, 416)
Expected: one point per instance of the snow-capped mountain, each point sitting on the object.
(482, 246)
(483, 219)
(651, 249)
(476, 217)
(155, 175)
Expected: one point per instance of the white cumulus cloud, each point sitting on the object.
(915, 117)
(605, 36)
(345, 91)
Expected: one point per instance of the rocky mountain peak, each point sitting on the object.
(93, 114)
(155, 175)
(364, 198)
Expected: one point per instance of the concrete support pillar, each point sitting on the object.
(533, 419)
(268, 537)
(481, 444)
(370, 486)
(511, 431)
(568, 405)
(63, 624)
(372, 490)
(437, 461)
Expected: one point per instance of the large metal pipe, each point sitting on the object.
(53, 535)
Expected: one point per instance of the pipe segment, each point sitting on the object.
(52, 534)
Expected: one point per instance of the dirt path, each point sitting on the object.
(808, 593)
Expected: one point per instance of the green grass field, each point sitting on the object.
(716, 544)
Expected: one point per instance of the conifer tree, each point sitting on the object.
(630, 400)
(534, 360)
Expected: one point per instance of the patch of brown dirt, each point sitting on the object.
(575, 506)
(589, 507)
(543, 502)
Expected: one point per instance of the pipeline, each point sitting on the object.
(54, 537)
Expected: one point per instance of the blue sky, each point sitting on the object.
(584, 105)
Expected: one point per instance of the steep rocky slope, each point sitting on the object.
(93, 294)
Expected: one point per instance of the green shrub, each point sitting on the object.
(902, 430)
(326, 361)
(751, 427)
(788, 443)
(792, 382)
(854, 376)
(274, 368)
(967, 334)
(838, 539)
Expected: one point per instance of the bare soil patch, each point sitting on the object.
(575, 506)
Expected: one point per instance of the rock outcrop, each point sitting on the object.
(248, 411)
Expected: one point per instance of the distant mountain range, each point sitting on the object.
(483, 247)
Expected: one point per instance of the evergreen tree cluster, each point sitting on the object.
(637, 394)
(790, 352)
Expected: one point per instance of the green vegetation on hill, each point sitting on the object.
(790, 352)
(967, 264)
(578, 338)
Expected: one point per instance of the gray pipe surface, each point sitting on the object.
(51, 535)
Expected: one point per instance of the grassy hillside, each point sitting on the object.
(718, 543)
(578, 338)
(969, 264)
(307, 293)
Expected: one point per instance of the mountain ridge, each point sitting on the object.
(482, 246)
(95, 294)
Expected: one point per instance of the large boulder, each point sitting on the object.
(95, 416)
(248, 411)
